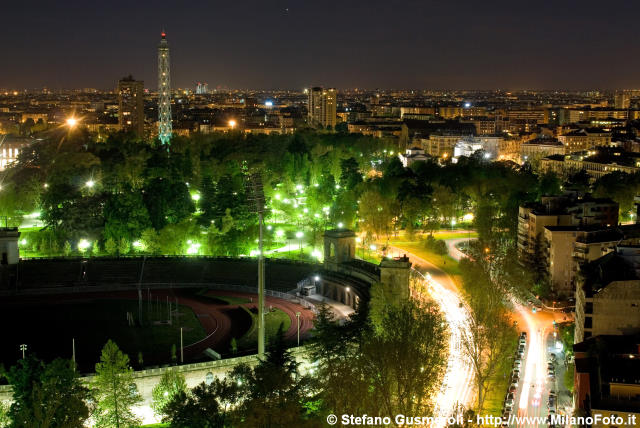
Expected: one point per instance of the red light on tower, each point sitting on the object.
(163, 34)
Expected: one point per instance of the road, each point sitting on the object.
(532, 394)
(457, 384)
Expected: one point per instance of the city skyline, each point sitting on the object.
(289, 46)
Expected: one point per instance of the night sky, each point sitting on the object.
(270, 44)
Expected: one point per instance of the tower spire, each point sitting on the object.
(164, 91)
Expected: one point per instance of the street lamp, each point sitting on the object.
(298, 321)
(23, 348)
(83, 244)
(90, 183)
(72, 122)
(232, 124)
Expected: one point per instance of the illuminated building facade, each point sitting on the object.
(322, 107)
(130, 105)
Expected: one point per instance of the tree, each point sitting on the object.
(110, 246)
(95, 249)
(47, 396)
(67, 248)
(405, 360)
(337, 349)
(274, 392)
(376, 212)
(149, 239)
(392, 369)
(5, 419)
(125, 215)
(171, 384)
(123, 246)
(351, 175)
(174, 353)
(490, 337)
(205, 406)
(114, 389)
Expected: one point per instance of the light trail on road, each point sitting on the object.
(534, 393)
(457, 384)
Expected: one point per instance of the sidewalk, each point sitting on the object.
(565, 398)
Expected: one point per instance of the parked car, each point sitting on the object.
(510, 399)
(513, 388)
(515, 379)
(505, 418)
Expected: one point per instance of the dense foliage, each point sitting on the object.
(47, 395)
(122, 196)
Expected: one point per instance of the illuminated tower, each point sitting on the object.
(164, 91)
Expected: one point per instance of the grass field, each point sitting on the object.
(48, 330)
(446, 263)
(273, 319)
(222, 299)
(496, 393)
(452, 234)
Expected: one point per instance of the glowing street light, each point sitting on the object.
(138, 245)
(194, 247)
(90, 183)
(195, 197)
(232, 123)
(83, 244)
(340, 225)
(72, 122)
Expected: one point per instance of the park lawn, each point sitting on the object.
(273, 320)
(167, 425)
(452, 234)
(446, 263)
(495, 395)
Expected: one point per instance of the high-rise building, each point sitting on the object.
(164, 91)
(622, 101)
(202, 88)
(322, 107)
(130, 105)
